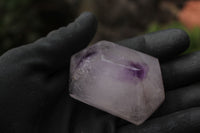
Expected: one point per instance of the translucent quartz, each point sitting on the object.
(121, 81)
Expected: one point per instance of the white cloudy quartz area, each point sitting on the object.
(118, 80)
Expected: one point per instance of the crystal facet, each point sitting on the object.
(118, 80)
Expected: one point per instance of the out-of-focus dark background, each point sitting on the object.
(23, 21)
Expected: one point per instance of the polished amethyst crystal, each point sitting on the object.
(118, 80)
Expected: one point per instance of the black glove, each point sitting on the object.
(34, 95)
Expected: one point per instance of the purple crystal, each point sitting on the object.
(118, 80)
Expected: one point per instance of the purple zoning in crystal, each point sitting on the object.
(121, 81)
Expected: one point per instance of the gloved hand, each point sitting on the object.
(34, 79)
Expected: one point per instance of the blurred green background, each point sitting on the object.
(23, 21)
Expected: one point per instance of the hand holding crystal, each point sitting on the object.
(34, 80)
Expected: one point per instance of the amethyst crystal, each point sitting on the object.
(118, 80)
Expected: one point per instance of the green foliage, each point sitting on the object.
(23, 21)
(194, 34)
(15, 22)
